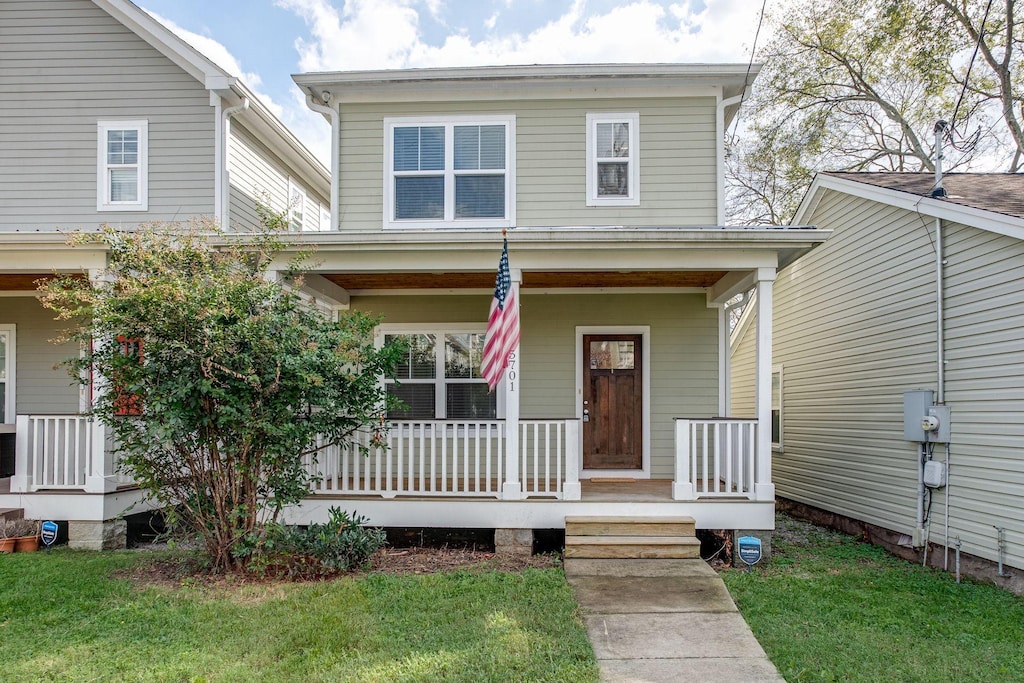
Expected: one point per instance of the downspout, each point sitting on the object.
(335, 116)
(225, 185)
(720, 150)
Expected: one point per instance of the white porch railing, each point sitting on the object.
(453, 458)
(715, 458)
(60, 452)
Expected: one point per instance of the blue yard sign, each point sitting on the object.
(49, 532)
(750, 549)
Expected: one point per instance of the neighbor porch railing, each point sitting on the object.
(62, 452)
(453, 458)
(715, 458)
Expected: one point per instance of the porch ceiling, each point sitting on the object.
(531, 279)
(25, 282)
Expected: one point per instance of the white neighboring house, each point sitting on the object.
(912, 292)
(108, 117)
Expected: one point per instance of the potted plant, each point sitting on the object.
(6, 540)
(24, 533)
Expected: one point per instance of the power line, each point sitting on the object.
(750, 65)
(952, 122)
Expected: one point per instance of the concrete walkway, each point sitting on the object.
(665, 620)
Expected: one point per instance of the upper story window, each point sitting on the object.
(121, 169)
(613, 159)
(296, 206)
(444, 172)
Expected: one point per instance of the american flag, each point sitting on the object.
(502, 325)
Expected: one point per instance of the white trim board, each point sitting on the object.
(645, 331)
(999, 223)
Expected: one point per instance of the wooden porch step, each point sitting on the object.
(11, 513)
(636, 547)
(630, 526)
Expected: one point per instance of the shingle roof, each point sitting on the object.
(997, 192)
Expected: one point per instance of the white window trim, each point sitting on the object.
(440, 402)
(633, 119)
(777, 446)
(449, 221)
(10, 331)
(103, 202)
(297, 205)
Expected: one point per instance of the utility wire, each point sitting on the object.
(750, 65)
(970, 65)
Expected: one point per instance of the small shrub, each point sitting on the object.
(16, 528)
(340, 544)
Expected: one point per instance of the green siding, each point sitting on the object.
(684, 356)
(66, 65)
(41, 388)
(678, 173)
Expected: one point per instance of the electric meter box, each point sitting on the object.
(915, 409)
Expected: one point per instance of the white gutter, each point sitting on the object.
(223, 188)
(720, 151)
(335, 115)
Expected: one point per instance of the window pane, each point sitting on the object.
(470, 401)
(612, 140)
(419, 197)
(122, 147)
(124, 185)
(467, 147)
(613, 179)
(3, 402)
(3, 357)
(419, 148)
(419, 360)
(463, 354)
(776, 393)
(418, 400)
(480, 196)
(776, 426)
(492, 147)
(612, 355)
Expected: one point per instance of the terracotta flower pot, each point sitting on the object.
(6, 545)
(26, 544)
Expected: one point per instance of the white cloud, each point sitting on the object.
(382, 34)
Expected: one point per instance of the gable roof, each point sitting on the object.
(216, 79)
(989, 201)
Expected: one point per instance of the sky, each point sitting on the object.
(264, 42)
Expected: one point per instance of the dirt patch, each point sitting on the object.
(188, 571)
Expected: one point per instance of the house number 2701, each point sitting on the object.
(511, 372)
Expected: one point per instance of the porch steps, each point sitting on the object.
(663, 538)
(11, 513)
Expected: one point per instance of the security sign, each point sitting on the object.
(750, 549)
(49, 533)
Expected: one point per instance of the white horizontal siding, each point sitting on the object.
(677, 160)
(66, 65)
(257, 176)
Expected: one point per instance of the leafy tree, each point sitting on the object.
(858, 85)
(217, 384)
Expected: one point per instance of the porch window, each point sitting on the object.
(777, 408)
(439, 377)
(449, 171)
(6, 374)
(122, 166)
(613, 159)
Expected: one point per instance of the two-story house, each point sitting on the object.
(608, 182)
(108, 117)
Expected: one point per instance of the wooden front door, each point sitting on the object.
(612, 401)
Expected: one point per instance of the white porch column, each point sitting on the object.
(571, 488)
(682, 486)
(99, 472)
(764, 489)
(512, 488)
(22, 462)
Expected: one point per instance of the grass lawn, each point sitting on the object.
(64, 617)
(830, 608)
